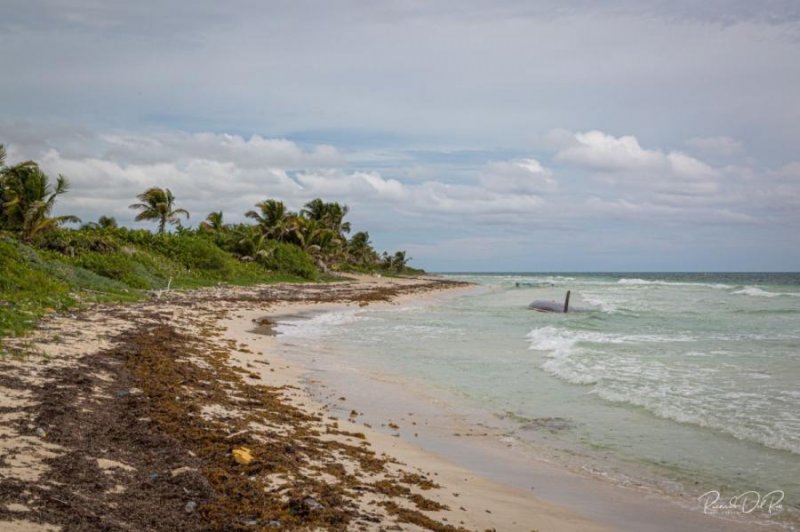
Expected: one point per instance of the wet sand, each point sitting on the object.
(138, 418)
(411, 417)
(127, 418)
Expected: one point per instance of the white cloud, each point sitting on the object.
(443, 198)
(623, 160)
(602, 179)
(599, 151)
(360, 185)
(209, 171)
(255, 152)
(645, 211)
(524, 176)
(683, 165)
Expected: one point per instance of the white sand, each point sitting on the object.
(474, 501)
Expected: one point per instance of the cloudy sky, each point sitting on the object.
(478, 135)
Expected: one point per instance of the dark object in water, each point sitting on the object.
(538, 284)
(550, 306)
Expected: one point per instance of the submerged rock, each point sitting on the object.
(551, 424)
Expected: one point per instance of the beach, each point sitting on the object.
(126, 417)
(482, 266)
(188, 412)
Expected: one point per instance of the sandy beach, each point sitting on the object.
(491, 265)
(128, 417)
(180, 414)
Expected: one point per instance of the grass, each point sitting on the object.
(68, 268)
(27, 289)
(73, 268)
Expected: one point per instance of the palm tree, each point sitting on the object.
(331, 214)
(335, 218)
(213, 223)
(400, 261)
(158, 204)
(314, 209)
(313, 237)
(273, 219)
(397, 262)
(107, 222)
(251, 244)
(104, 222)
(360, 249)
(27, 198)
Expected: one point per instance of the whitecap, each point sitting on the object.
(318, 324)
(644, 282)
(601, 304)
(758, 292)
(741, 429)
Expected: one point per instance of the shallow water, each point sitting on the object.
(684, 383)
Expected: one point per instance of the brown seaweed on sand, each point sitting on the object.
(146, 429)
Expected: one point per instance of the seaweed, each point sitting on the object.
(144, 403)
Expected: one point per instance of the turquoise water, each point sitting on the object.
(680, 382)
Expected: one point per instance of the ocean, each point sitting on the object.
(675, 383)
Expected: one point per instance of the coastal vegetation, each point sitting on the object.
(50, 264)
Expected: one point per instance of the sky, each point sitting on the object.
(503, 135)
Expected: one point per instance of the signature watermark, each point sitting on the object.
(747, 502)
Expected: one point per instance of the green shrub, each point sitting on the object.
(194, 252)
(26, 292)
(199, 253)
(70, 242)
(121, 267)
(68, 267)
(288, 258)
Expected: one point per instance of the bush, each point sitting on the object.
(120, 267)
(72, 243)
(194, 252)
(197, 253)
(26, 292)
(288, 258)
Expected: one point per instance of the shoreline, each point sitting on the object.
(67, 458)
(488, 504)
(451, 435)
(127, 417)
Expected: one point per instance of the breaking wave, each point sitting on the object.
(644, 282)
(758, 292)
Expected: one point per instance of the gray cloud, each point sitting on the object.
(602, 177)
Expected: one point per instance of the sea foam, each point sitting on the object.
(317, 325)
(758, 292)
(644, 282)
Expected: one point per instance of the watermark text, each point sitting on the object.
(747, 502)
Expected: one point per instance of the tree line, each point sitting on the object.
(28, 197)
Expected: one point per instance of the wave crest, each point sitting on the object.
(645, 282)
(754, 291)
